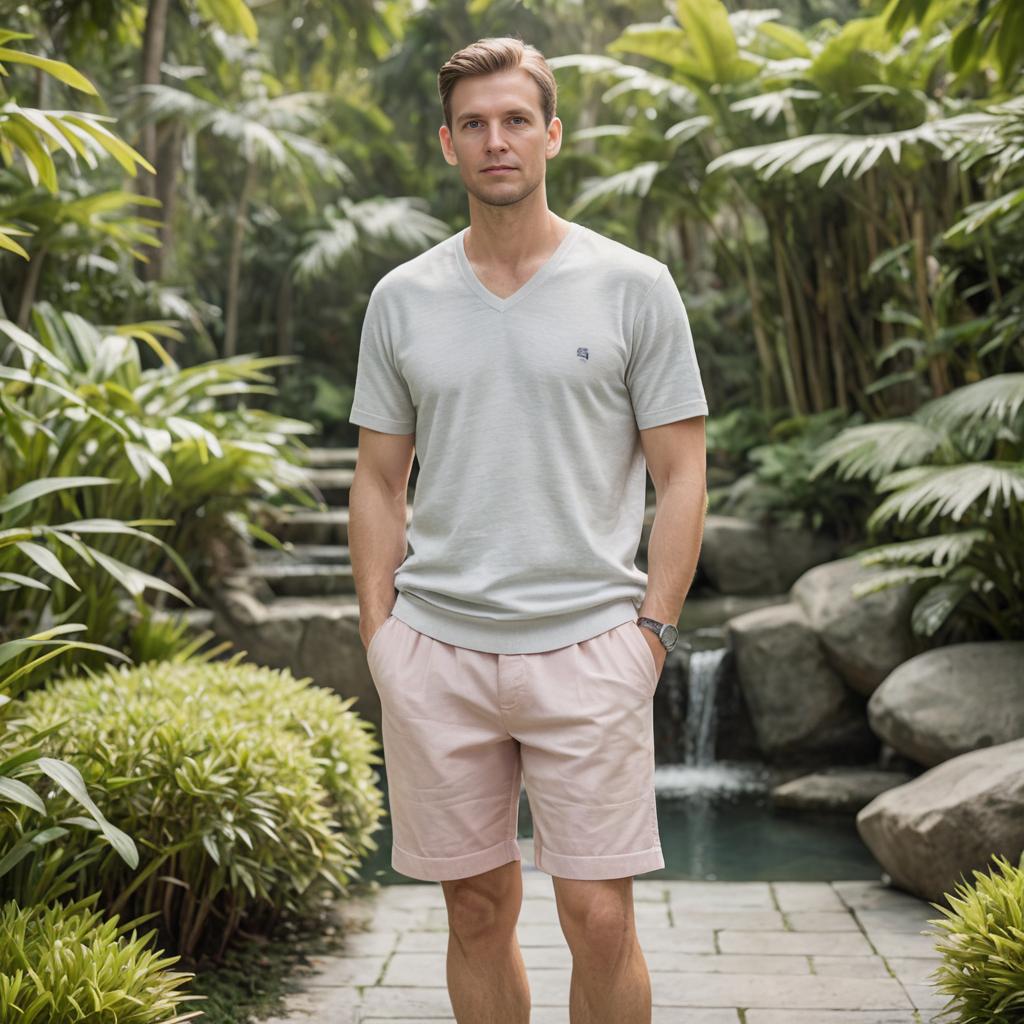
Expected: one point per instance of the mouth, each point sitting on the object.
(498, 170)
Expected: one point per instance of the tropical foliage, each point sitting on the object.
(838, 188)
(63, 961)
(864, 182)
(253, 791)
(105, 436)
(982, 969)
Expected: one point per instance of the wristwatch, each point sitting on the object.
(667, 633)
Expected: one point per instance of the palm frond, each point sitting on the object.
(256, 143)
(942, 551)
(631, 78)
(601, 131)
(854, 154)
(769, 105)
(995, 400)
(636, 181)
(969, 137)
(404, 221)
(928, 492)
(683, 131)
(874, 449)
(899, 576)
(980, 215)
(330, 167)
(291, 111)
(161, 102)
(325, 250)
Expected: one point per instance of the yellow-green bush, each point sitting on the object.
(983, 958)
(64, 963)
(248, 791)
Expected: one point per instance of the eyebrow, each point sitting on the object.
(514, 110)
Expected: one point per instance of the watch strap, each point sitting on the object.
(656, 627)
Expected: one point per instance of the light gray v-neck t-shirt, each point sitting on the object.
(529, 504)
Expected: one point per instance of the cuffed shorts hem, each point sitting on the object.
(441, 869)
(612, 866)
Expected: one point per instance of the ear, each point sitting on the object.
(554, 140)
(447, 149)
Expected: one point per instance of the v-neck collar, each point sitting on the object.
(545, 270)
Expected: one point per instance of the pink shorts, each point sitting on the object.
(460, 728)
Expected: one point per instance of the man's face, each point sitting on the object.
(497, 120)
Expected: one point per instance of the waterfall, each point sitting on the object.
(702, 687)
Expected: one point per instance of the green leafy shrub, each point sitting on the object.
(953, 479)
(247, 790)
(779, 487)
(64, 963)
(983, 961)
(186, 451)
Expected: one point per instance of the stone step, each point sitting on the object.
(304, 554)
(334, 606)
(312, 526)
(333, 482)
(300, 579)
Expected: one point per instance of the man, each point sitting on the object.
(534, 366)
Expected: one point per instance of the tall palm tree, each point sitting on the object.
(262, 132)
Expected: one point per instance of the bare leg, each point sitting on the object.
(487, 981)
(610, 982)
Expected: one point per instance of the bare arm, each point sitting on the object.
(376, 526)
(676, 455)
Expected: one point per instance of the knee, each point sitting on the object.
(478, 915)
(601, 928)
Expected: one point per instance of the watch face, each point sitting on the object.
(669, 635)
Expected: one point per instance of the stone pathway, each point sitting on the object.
(718, 953)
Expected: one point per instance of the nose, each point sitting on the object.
(495, 140)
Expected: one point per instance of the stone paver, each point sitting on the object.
(846, 952)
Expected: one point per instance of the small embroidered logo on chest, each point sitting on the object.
(583, 353)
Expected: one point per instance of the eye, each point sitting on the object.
(515, 117)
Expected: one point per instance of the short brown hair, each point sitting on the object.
(498, 53)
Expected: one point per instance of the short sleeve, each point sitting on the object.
(381, 397)
(662, 374)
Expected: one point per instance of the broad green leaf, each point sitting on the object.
(57, 68)
(38, 161)
(47, 561)
(117, 148)
(35, 489)
(69, 778)
(26, 343)
(25, 581)
(18, 792)
(8, 244)
(134, 580)
(232, 15)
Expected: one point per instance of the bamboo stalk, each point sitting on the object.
(794, 391)
(924, 307)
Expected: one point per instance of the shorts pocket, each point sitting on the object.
(635, 632)
(377, 632)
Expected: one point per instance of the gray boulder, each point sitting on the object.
(799, 707)
(740, 556)
(951, 700)
(949, 820)
(864, 638)
(838, 788)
